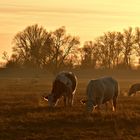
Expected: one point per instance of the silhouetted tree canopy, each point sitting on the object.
(36, 48)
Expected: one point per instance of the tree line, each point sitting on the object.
(36, 48)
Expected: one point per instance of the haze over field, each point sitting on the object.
(87, 19)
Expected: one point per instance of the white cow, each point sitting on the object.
(64, 85)
(100, 91)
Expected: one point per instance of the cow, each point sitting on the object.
(134, 89)
(64, 85)
(100, 91)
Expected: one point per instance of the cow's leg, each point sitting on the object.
(70, 100)
(70, 97)
(64, 101)
(106, 105)
(114, 104)
(99, 103)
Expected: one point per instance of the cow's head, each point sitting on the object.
(83, 101)
(51, 100)
(89, 104)
(130, 92)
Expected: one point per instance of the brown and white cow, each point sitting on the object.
(134, 89)
(64, 85)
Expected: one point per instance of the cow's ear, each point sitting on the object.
(82, 101)
(46, 98)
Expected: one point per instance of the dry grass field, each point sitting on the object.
(25, 116)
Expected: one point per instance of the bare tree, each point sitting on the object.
(63, 45)
(128, 46)
(5, 56)
(137, 40)
(30, 45)
(118, 49)
(105, 44)
(90, 54)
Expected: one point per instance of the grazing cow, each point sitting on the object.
(64, 85)
(100, 91)
(134, 89)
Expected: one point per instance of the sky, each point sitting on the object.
(85, 18)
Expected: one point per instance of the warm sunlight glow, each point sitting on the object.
(87, 19)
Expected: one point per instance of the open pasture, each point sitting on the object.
(24, 115)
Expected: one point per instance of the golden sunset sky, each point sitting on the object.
(85, 18)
